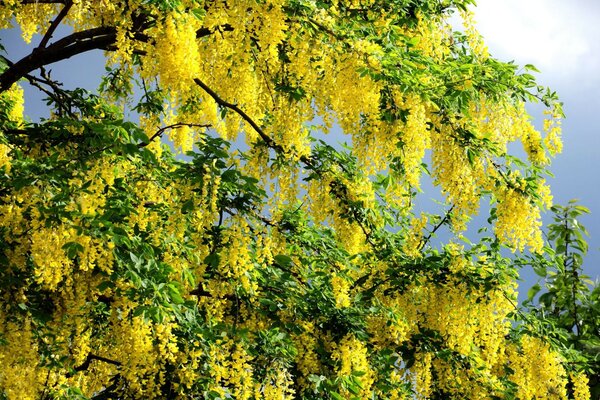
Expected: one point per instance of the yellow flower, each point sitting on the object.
(581, 389)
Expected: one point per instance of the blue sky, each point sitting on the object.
(562, 39)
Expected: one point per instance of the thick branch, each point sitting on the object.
(40, 2)
(101, 38)
(77, 43)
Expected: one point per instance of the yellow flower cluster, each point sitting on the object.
(14, 98)
(537, 370)
(581, 389)
(20, 375)
(51, 262)
(415, 137)
(34, 18)
(139, 366)
(15, 107)
(422, 376)
(230, 370)
(326, 207)
(552, 128)
(306, 359)
(388, 329)
(519, 220)
(4, 158)
(414, 238)
(340, 286)
(458, 178)
(284, 184)
(176, 53)
(7, 10)
(278, 386)
(190, 361)
(430, 35)
(95, 255)
(532, 143)
(459, 321)
(473, 37)
(351, 356)
(236, 258)
(91, 201)
(150, 126)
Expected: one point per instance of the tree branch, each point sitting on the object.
(438, 226)
(61, 15)
(77, 43)
(108, 392)
(172, 126)
(202, 32)
(222, 103)
(85, 365)
(24, 2)
(99, 38)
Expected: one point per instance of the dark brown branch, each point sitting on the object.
(100, 38)
(61, 97)
(36, 82)
(91, 357)
(41, 2)
(172, 126)
(438, 226)
(266, 139)
(77, 43)
(61, 15)
(200, 292)
(222, 103)
(108, 392)
(266, 221)
(202, 32)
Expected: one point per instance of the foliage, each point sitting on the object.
(251, 259)
(568, 308)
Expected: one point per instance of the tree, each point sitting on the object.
(281, 266)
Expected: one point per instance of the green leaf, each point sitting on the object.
(533, 291)
(72, 249)
(336, 395)
(174, 294)
(531, 67)
(105, 285)
(212, 260)
(187, 206)
(282, 260)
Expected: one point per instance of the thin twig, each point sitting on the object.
(438, 226)
(172, 126)
(90, 357)
(268, 141)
